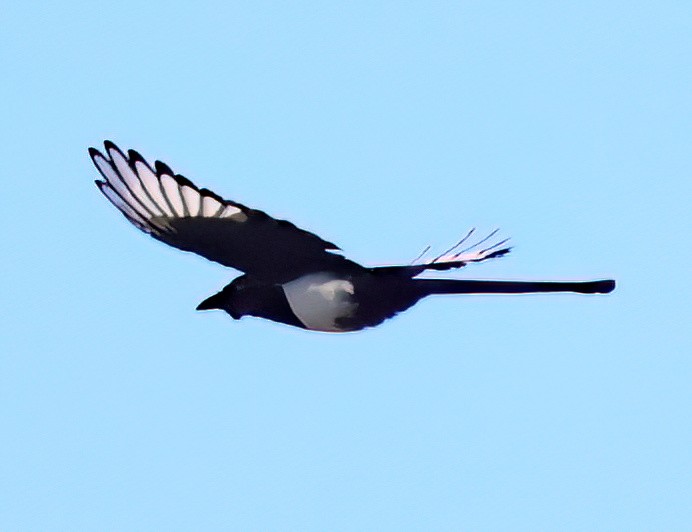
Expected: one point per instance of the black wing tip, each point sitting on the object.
(135, 156)
(110, 145)
(184, 181)
(101, 185)
(212, 194)
(93, 152)
(162, 168)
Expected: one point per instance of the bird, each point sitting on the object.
(289, 275)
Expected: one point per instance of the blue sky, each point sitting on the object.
(384, 127)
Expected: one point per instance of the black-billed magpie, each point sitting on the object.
(289, 276)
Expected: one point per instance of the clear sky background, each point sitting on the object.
(384, 127)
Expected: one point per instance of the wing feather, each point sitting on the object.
(152, 187)
(171, 192)
(192, 200)
(173, 210)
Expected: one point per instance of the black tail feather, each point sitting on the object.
(461, 286)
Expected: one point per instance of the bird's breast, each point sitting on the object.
(320, 299)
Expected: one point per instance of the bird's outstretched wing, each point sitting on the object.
(175, 211)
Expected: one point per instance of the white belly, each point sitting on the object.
(319, 299)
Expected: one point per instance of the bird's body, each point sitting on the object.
(290, 276)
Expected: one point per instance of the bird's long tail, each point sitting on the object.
(461, 286)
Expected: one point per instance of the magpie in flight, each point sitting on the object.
(289, 276)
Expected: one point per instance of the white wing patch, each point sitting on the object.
(233, 212)
(191, 199)
(128, 211)
(152, 186)
(172, 193)
(210, 207)
(148, 197)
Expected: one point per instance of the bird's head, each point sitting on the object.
(238, 299)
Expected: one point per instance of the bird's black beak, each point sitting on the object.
(212, 303)
(219, 301)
